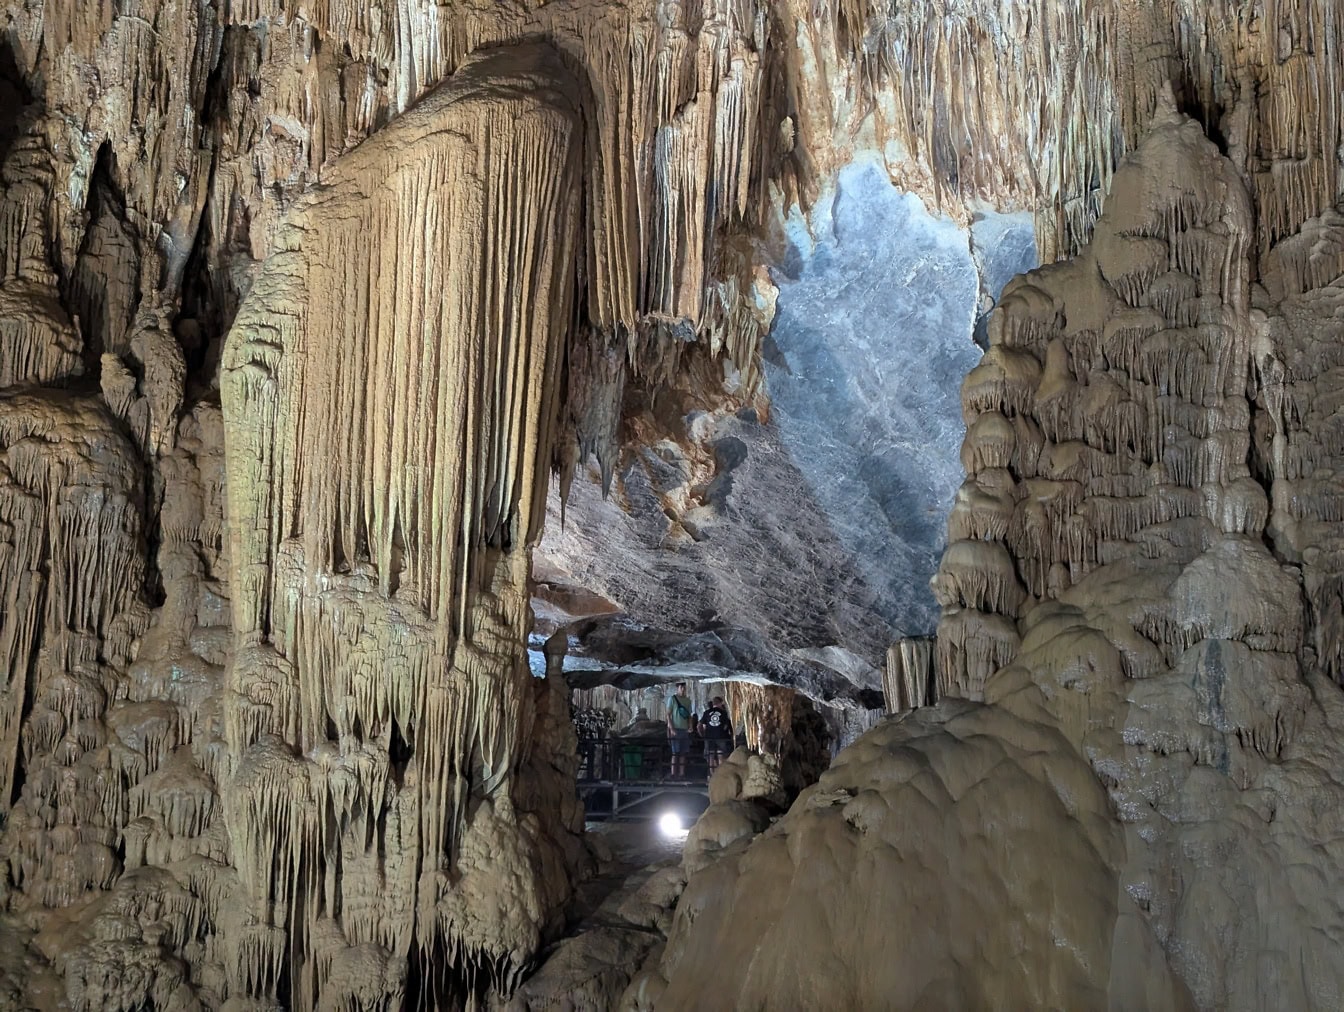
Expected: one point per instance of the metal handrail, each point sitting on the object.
(636, 760)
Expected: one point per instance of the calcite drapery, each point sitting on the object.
(158, 148)
(1026, 105)
(71, 566)
(394, 374)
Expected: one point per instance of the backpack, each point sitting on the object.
(682, 712)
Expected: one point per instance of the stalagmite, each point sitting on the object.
(1156, 401)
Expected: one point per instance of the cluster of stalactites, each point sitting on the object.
(392, 402)
(39, 343)
(1035, 103)
(908, 680)
(71, 567)
(693, 111)
(680, 134)
(116, 762)
(405, 450)
(1280, 69)
(1108, 421)
(690, 115)
(763, 714)
(133, 83)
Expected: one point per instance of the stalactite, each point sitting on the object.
(1004, 381)
(763, 713)
(979, 575)
(972, 645)
(909, 682)
(396, 479)
(38, 342)
(69, 504)
(389, 425)
(990, 443)
(1297, 358)
(981, 511)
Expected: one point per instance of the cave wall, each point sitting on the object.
(1126, 570)
(1142, 769)
(809, 522)
(872, 336)
(266, 725)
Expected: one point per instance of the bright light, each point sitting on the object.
(670, 824)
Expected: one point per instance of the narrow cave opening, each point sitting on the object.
(771, 549)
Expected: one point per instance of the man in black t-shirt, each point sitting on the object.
(717, 730)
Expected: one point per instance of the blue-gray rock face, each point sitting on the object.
(823, 524)
(1003, 246)
(870, 344)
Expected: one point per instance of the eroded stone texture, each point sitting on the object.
(810, 527)
(1297, 429)
(1153, 790)
(881, 888)
(381, 702)
(1157, 629)
(1108, 421)
(71, 515)
(214, 796)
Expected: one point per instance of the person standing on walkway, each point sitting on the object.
(717, 730)
(680, 720)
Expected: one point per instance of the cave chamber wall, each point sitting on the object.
(241, 596)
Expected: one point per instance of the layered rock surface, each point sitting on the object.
(813, 518)
(267, 734)
(882, 888)
(1145, 814)
(380, 600)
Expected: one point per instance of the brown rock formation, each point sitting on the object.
(383, 489)
(1110, 582)
(299, 304)
(882, 888)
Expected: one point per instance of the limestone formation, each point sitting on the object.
(1108, 422)
(908, 681)
(1112, 584)
(305, 310)
(894, 836)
